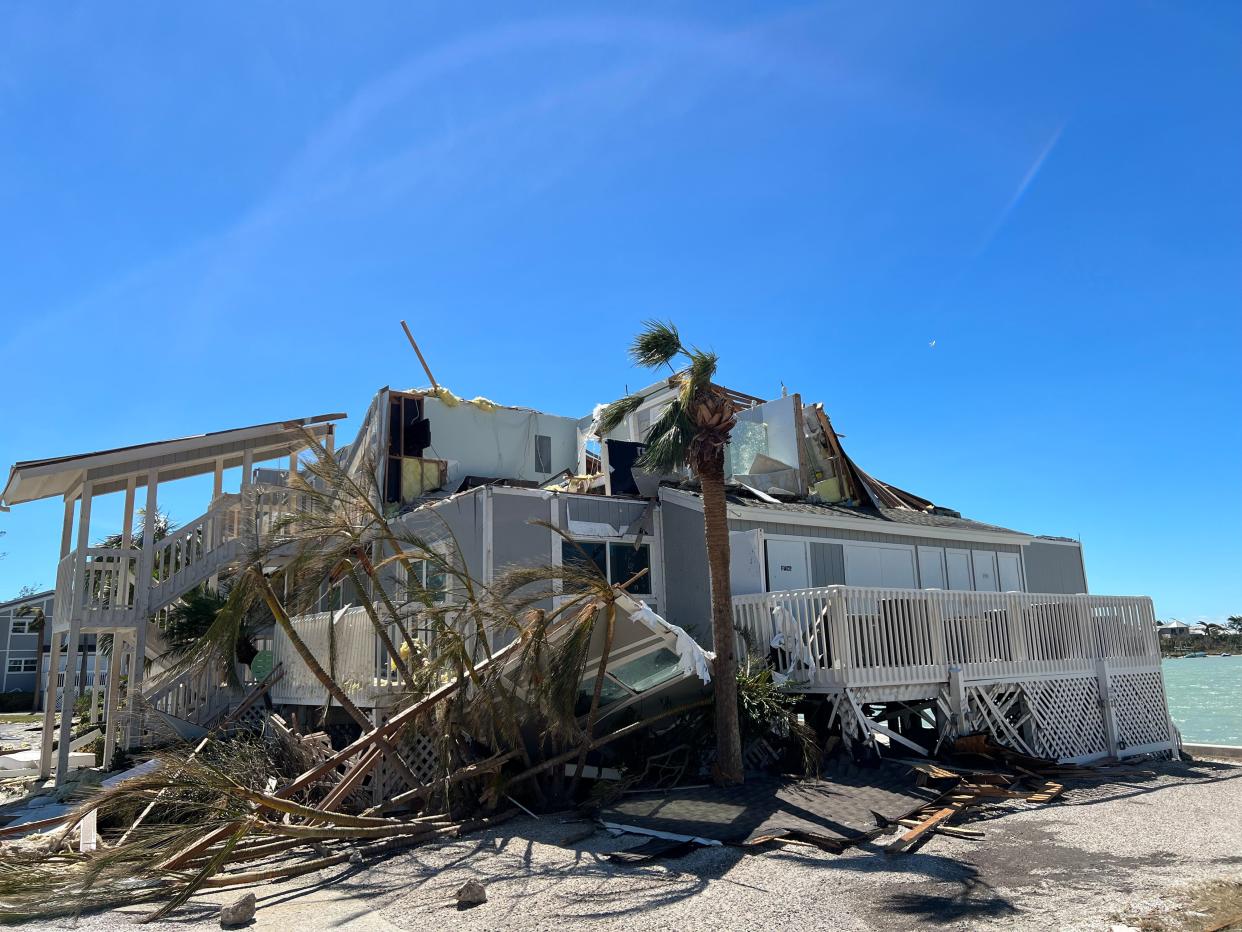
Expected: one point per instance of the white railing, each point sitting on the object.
(198, 695)
(344, 644)
(855, 636)
(193, 552)
(104, 591)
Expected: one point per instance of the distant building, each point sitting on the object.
(1174, 629)
(20, 636)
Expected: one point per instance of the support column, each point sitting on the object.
(142, 598)
(957, 702)
(247, 532)
(291, 505)
(96, 686)
(132, 726)
(1107, 712)
(127, 542)
(111, 709)
(214, 530)
(63, 605)
(69, 694)
(49, 707)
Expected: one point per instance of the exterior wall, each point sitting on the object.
(875, 537)
(515, 540)
(1054, 567)
(455, 524)
(688, 602)
(611, 517)
(497, 443)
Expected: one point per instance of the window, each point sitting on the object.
(23, 625)
(26, 665)
(429, 581)
(543, 453)
(583, 553)
(609, 693)
(616, 562)
(649, 670)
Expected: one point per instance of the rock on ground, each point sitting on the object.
(471, 893)
(239, 912)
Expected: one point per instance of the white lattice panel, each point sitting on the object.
(1066, 721)
(419, 753)
(1139, 709)
(1000, 710)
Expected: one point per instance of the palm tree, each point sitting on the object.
(192, 617)
(1235, 623)
(692, 432)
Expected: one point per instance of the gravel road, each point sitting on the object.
(1102, 853)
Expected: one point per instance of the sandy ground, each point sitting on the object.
(1104, 854)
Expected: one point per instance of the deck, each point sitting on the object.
(1073, 677)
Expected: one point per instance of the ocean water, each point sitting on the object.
(1205, 698)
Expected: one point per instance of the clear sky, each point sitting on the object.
(1002, 242)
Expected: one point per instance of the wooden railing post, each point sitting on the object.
(1015, 609)
(935, 621)
(1107, 709)
(842, 648)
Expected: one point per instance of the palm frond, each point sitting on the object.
(614, 414)
(668, 440)
(701, 372)
(658, 344)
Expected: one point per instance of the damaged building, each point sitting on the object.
(898, 620)
(904, 619)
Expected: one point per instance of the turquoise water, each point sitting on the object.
(1205, 698)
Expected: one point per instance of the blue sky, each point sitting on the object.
(213, 216)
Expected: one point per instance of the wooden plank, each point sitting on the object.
(904, 842)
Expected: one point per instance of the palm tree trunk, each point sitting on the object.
(724, 673)
(82, 678)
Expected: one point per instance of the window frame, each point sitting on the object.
(608, 543)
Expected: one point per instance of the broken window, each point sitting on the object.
(407, 475)
(543, 453)
(624, 561)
